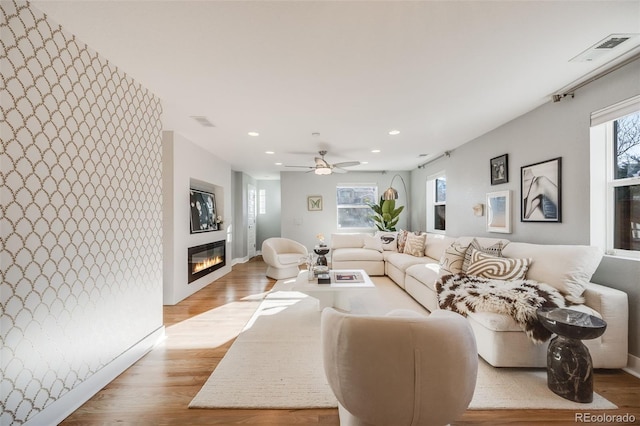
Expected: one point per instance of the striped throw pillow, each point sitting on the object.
(415, 244)
(499, 268)
(494, 250)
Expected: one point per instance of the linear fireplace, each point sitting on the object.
(205, 259)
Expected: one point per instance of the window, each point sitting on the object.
(262, 201)
(353, 211)
(615, 178)
(437, 203)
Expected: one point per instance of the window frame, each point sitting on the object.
(431, 202)
(359, 206)
(602, 177)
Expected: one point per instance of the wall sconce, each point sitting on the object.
(478, 209)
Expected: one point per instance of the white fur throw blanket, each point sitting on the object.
(519, 299)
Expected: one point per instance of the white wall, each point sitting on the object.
(187, 165)
(302, 225)
(268, 224)
(552, 130)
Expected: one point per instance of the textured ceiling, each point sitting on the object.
(443, 73)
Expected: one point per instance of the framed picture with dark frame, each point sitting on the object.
(203, 211)
(499, 169)
(541, 191)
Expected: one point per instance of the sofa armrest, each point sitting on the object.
(613, 305)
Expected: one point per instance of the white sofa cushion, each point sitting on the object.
(502, 322)
(347, 240)
(356, 254)
(426, 273)
(568, 268)
(402, 260)
(372, 243)
(436, 244)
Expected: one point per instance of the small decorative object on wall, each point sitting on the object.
(314, 203)
(478, 210)
(499, 212)
(500, 169)
(203, 211)
(541, 191)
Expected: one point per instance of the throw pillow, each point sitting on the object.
(497, 268)
(494, 250)
(389, 240)
(452, 259)
(415, 245)
(372, 243)
(402, 239)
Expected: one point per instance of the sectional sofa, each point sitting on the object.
(501, 341)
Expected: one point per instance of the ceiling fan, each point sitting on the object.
(322, 167)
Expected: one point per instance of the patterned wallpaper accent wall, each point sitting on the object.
(81, 212)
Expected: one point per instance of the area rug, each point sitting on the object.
(276, 362)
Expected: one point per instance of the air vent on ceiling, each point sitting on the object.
(604, 47)
(203, 121)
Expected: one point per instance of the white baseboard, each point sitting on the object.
(633, 366)
(240, 260)
(60, 409)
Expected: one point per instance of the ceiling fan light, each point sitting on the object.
(390, 194)
(322, 171)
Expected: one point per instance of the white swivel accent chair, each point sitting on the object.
(401, 369)
(282, 257)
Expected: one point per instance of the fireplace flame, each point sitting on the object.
(207, 263)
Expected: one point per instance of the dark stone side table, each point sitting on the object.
(569, 366)
(321, 251)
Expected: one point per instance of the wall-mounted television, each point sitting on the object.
(203, 211)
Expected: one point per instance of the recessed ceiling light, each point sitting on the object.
(394, 132)
(364, 162)
(253, 134)
(278, 164)
(375, 151)
(269, 152)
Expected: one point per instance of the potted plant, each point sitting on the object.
(386, 215)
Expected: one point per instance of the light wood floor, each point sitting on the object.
(158, 388)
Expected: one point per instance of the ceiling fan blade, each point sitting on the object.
(303, 167)
(338, 170)
(347, 164)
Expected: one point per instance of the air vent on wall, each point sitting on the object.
(203, 121)
(604, 47)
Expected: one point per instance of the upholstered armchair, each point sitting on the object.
(401, 369)
(282, 257)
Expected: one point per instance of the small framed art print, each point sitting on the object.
(499, 212)
(500, 169)
(314, 203)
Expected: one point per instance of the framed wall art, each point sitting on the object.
(314, 203)
(499, 212)
(203, 211)
(499, 169)
(541, 191)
